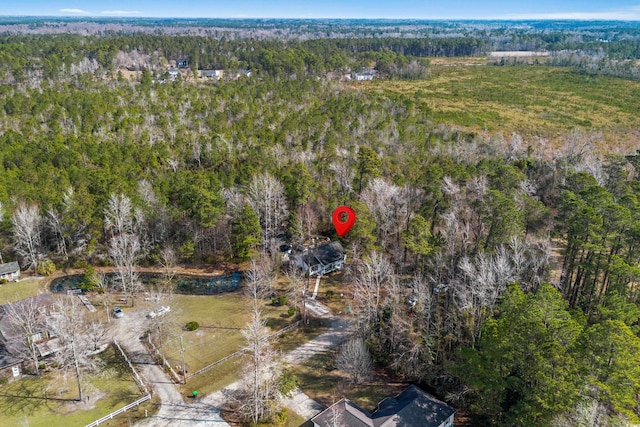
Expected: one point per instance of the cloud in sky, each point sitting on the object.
(121, 12)
(75, 11)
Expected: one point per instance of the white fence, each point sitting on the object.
(138, 381)
(136, 377)
(119, 411)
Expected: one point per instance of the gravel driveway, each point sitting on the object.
(174, 410)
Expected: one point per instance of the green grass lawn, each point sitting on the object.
(531, 100)
(230, 371)
(221, 318)
(215, 378)
(49, 400)
(334, 293)
(14, 291)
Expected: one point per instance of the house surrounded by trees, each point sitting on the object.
(10, 271)
(321, 260)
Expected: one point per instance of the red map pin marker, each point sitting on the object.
(343, 227)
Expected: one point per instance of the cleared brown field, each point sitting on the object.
(547, 103)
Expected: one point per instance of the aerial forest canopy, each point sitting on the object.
(498, 200)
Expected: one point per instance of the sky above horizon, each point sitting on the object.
(398, 9)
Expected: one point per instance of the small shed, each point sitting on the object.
(10, 271)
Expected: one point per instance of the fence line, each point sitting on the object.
(241, 351)
(119, 411)
(165, 363)
(285, 329)
(136, 377)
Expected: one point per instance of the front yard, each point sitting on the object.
(221, 319)
(49, 400)
(25, 288)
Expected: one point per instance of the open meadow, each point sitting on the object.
(539, 101)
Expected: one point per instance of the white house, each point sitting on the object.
(212, 74)
(10, 271)
(173, 74)
(366, 73)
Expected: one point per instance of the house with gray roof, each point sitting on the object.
(10, 271)
(412, 407)
(321, 260)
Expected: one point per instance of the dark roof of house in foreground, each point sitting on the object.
(9, 267)
(412, 407)
(8, 330)
(325, 254)
(7, 356)
(344, 413)
(329, 252)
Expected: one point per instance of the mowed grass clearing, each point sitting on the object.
(27, 287)
(221, 319)
(49, 400)
(531, 100)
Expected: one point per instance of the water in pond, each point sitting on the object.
(192, 285)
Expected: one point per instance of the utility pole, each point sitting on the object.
(184, 372)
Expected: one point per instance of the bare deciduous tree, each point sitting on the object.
(298, 289)
(259, 279)
(344, 175)
(124, 250)
(485, 279)
(354, 359)
(260, 396)
(118, 216)
(26, 232)
(589, 412)
(370, 277)
(76, 346)
(102, 286)
(55, 222)
(27, 316)
(168, 260)
(96, 332)
(266, 197)
(388, 204)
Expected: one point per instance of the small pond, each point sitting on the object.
(184, 284)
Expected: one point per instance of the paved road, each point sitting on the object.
(178, 412)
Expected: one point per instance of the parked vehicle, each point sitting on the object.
(117, 312)
(159, 312)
